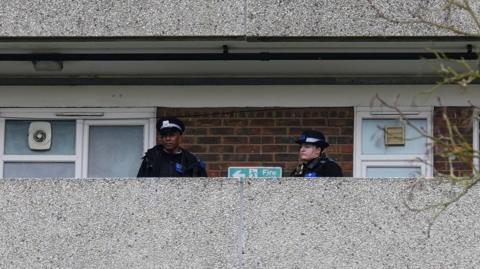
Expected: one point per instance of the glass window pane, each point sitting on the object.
(38, 170)
(394, 171)
(114, 151)
(16, 138)
(373, 140)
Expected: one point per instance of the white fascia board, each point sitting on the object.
(93, 97)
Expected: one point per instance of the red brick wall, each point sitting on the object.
(461, 117)
(224, 137)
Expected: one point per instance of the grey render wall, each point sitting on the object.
(229, 18)
(225, 223)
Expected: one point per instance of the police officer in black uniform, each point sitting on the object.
(315, 162)
(169, 159)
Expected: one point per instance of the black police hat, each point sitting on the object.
(170, 124)
(312, 137)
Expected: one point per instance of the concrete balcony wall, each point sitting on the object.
(228, 18)
(225, 223)
(121, 18)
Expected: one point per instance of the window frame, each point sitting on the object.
(2, 142)
(476, 140)
(395, 163)
(83, 118)
(89, 123)
(360, 160)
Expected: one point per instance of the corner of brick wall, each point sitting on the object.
(224, 137)
(462, 118)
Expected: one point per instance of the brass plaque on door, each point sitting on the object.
(394, 135)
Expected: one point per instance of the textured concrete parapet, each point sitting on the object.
(353, 18)
(121, 18)
(226, 223)
(207, 18)
(357, 223)
(118, 223)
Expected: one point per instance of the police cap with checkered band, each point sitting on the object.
(312, 137)
(170, 124)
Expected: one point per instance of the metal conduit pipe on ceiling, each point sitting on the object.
(227, 56)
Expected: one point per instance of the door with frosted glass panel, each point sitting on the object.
(381, 160)
(114, 148)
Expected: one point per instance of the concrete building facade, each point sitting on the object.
(246, 76)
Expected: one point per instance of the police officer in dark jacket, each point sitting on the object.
(315, 162)
(169, 159)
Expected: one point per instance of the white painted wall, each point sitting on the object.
(232, 96)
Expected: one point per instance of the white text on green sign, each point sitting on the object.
(254, 172)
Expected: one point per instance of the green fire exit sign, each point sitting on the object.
(254, 172)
